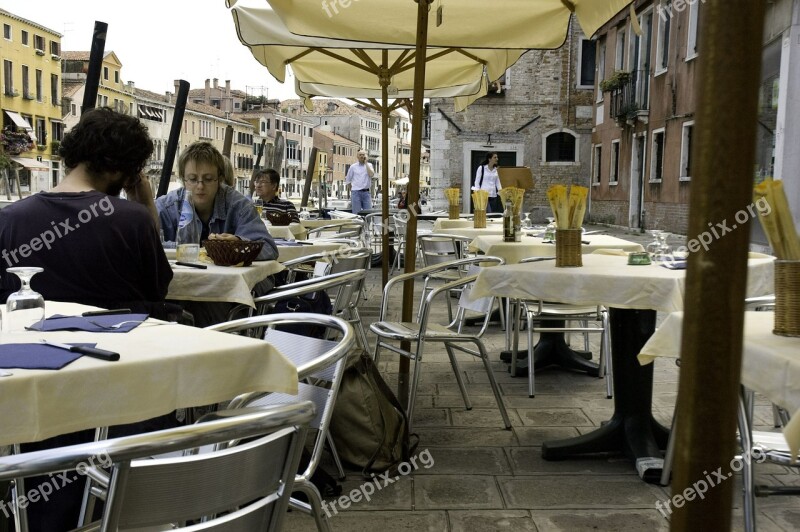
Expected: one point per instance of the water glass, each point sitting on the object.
(25, 306)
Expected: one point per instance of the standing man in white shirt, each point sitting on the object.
(359, 179)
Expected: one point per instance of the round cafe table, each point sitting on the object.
(634, 295)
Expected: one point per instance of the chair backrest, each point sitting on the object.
(320, 366)
(336, 284)
(438, 248)
(249, 484)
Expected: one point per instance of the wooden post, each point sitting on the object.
(722, 185)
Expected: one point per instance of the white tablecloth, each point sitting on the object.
(287, 232)
(162, 367)
(534, 246)
(466, 228)
(220, 283)
(605, 280)
(770, 363)
(313, 246)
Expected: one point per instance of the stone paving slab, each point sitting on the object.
(578, 492)
(491, 521)
(588, 520)
(467, 461)
(434, 492)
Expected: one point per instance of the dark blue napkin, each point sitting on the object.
(37, 356)
(58, 322)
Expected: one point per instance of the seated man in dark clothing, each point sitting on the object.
(278, 211)
(96, 249)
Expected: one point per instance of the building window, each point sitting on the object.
(116, 76)
(619, 54)
(55, 48)
(73, 109)
(657, 158)
(41, 132)
(26, 89)
(597, 160)
(8, 78)
(38, 42)
(560, 147)
(662, 36)
(24, 37)
(601, 69)
(586, 63)
(7, 32)
(613, 173)
(691, 43)
(39, 88)
(105, 73)
(54, 89)
(686, 151)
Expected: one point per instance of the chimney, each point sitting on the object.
(216, 83)
(177, 84)
(207, 94)
(227, 87)
(168, 97)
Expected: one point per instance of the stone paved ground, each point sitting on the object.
(484, 478)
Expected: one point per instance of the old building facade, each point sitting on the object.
(538, 115)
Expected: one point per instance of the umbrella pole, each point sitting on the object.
(174, 137)
(384, 81)
(711, 348)
(412, 196)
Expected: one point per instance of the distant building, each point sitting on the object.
(31, 101)
(341, 154)
(539, 115)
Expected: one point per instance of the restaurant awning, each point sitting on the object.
(31, 164)
(19, 120)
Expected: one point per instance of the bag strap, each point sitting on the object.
(480, 179)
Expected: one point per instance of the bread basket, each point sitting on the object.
(233, 252)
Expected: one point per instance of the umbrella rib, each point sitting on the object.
(364, 56)
(345, 59)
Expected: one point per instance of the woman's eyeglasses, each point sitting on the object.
(203, 180)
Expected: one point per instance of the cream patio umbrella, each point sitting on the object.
(722, 161)
(365, 72)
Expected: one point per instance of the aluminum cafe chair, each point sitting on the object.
(320, 365)
(425, 331)
(242, 488)
(441, 248)
(538, 312)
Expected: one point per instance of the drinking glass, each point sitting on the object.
(550, 231)
(526, 222)
(664, 253)
(259, 203)
(25, 306)
(653, 247)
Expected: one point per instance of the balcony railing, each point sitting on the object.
(630, 99)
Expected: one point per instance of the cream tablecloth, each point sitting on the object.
(313, 246)
(466, 228)
(605, 280)
(220, 283)
(534, 246)
(770, 363)
(162, 367)
(293, 231)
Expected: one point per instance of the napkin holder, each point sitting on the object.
(787, 298)
(453, 212)
(479, 219)
(568, 248)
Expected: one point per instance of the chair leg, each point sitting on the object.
(495, 388)
(315, 501)
(412, 395)
(607, 361)
(459, 377)
(335, 455)
(531, 391)
(748, 489)
(669, 455)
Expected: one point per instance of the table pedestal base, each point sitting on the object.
(631, 430)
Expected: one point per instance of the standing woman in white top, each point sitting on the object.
(486, 178)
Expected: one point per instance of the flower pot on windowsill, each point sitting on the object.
(41, 147)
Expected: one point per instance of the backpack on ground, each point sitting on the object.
(369, 425)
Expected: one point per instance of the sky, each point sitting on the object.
(159, 41)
